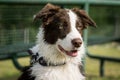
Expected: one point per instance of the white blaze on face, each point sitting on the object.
(74, 33)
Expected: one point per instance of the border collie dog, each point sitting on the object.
(59, 48)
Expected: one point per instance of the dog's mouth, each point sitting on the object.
(72, 53)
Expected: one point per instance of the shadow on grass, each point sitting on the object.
(94, 77)
(12, 77)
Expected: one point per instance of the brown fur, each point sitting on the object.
(48, 11)
(55, 22)
(59, 27)
(84, 18)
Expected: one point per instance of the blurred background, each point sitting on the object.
(18, 34)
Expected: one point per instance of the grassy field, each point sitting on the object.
(112, 70)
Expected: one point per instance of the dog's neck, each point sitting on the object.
(41, 60)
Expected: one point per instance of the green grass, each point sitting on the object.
(8, 71)
(112, 70)
(109, 49)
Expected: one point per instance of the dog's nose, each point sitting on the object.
(77, 42)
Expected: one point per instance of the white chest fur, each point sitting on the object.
(65, 72)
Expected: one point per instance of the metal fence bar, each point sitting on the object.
(64, 2)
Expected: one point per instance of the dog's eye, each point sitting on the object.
(60, 26)
(78, 28)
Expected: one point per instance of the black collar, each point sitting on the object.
(35, 59)
(44, 63)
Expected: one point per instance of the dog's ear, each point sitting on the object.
(85, 19)
(48, 11)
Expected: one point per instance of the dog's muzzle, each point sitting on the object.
(72, 53)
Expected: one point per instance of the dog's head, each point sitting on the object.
(63, 27)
